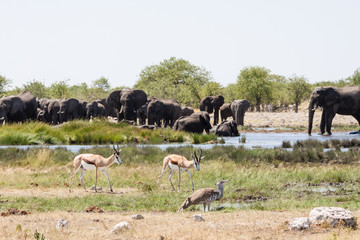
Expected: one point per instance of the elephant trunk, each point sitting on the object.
(312, 108)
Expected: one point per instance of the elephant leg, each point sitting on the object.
(216, 116)
(329, 117)
(357, 117)
(322, 122)
(241, 117)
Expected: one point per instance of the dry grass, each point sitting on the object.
(239, 225)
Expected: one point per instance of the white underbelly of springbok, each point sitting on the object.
(90, 166)
(175, 167)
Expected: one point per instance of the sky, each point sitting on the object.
(83, 40)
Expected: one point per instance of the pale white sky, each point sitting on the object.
(82, 40)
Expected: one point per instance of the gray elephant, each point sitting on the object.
(212, 104)
(225, 111)
(164, 110)
(69, 109)
(186, 111)
(127, 102)
(195, 123)
(142, 114)
(333, 100)
(54, 111)
(238, 109)
(226, 129)
(18, 108)
(109, 111)
(42, 112)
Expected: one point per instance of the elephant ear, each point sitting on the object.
(17, 107)
(331, 97)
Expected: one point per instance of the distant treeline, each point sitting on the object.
(179, 79)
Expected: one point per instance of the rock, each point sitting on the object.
(62, 223)
(334, 216)
(120, 227)
(137, 217)
(301, 223)
(198, 218)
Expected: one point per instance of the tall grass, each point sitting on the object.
(95, 132)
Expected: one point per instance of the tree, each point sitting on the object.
(299, 90)
(59, 89)
(37, 88)
(102, 83)
(4, 82)
(256, 85)
(355, 78)
(174, 79)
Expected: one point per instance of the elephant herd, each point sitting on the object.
(128, 105)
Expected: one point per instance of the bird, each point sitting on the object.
(204, 196)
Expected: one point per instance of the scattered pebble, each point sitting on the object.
(137, 216)
(120, 227)
(198, 218)
(62, 223)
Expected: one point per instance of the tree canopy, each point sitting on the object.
(4, 82)
(299, 90)
(256, 85)
(177, 79)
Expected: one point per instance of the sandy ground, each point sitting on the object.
(160, 225)
(283, 119)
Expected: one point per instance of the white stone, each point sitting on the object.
(62, 223)
(301, 223)
(334, 216)
(120, 227)
(198, 218)
(137, 216)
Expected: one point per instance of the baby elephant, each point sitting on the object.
(226, 129)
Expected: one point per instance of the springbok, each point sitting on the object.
(91, 162)
(177, 162)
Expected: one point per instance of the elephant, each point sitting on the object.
(212, 104)
(18, 108)
(163, 109)
(95, 109)
(225, 111)
(69, 109)
(334, 100)
(127, 102)
(43, 113)
(226, 129)
(54, 111)
(142, 113)
(195, 123)
(109, 111)
(238, 109)
(186, 111)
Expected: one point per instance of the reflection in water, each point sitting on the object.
(253, 140)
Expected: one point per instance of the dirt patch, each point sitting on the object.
(236, 225)
(58, 192)
(94, 209)
(14, 211)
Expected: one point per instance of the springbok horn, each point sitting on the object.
(200, 154)
(196, 158)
